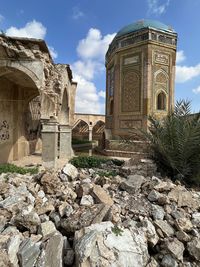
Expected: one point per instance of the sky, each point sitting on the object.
(79, 32)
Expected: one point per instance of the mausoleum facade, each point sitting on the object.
(140, 72)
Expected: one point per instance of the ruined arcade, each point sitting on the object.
(36, 101)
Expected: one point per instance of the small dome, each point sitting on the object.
(142, 24)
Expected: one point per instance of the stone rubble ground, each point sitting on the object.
(77, 217)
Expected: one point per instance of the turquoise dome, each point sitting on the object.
(142, 24)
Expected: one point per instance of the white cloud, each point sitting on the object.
(87, 99)
(1, 18)
(33, 29)
(157, 7)
(94, 46)
(180, 56)
(91, 51)
(88, 68)
(53, 52)
(185, 73)
(196, 90)
(77, 13)
(102, 94)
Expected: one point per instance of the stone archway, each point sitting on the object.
(80, 131)
(17, 89)
(97, 130)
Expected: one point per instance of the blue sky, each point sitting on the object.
(78, 33)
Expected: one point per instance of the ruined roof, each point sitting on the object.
(24, 40)
(143, 24)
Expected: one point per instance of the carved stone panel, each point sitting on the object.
(161, 58)
(130, 124)
(131, 60)
(130, 101)
(111, 81)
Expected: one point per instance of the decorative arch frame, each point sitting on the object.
(161, 88)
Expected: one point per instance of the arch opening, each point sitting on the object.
(16, 114)
(98, 130)
(80, 131)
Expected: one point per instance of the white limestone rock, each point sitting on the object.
(70, 170)
(87, 200)
(118, 247)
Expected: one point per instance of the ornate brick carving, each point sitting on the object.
(161, 58)
(111, 81)
(161, 78)
(130, 91)
(130, 124)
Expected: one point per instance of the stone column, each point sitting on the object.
(65, 141)
(49, 143)
(90, 133)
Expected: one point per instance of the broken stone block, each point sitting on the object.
(154, 196)
(182, 236)
(87, 200)
(83, 189)
(65, 209)
(101, 196)
(54, 251)
(184, 198)
(176, 248)
(51, 183)
(193, 248)
(196, 218)
(165, 227)
(169, 261)
(85, 216)
(129, 248)
(71, 171)
(133, 183)
(158, 212)
(2, 223)
(29, 220)
(183, 224)
(4, 259)
(153, 263)
(47, 229)
(12, 249)
(28, 253)
(152, 236)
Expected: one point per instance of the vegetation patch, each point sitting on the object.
(93, 161)
(11, 168)
(80, 142)
(116, 230)
(175, 142)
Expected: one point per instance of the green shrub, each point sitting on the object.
(117, 162)
(93, 161)
(80, 142)
(175, 142)
(11, 168)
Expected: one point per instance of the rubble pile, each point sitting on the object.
(86, 217)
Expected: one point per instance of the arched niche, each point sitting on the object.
(16, 92)
(161, 101)
(63, 117)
